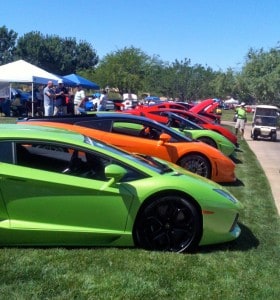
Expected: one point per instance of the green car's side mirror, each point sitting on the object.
(115, 173)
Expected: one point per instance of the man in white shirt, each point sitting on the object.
(79, 98)
(49, 96)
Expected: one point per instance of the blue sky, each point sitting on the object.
(214, 33)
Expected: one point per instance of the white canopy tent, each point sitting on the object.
(231, 101)
(23, 72)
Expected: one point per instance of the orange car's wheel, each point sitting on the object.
(196, 163)
(169, 223)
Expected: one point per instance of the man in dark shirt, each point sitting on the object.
(60, 105)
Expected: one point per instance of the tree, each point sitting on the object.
(86, 56)
(199, 84)
(184, 82)
(124, 69)
(131, 70)
(55, 54)
(31, 47)
(178, 76)
(225, 84)
(7, 45)
(261, 75)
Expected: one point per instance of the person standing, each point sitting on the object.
(49, 96)
(60, 101)
(241, 120)
(39, 101)
(79, 99)
(103, 102)
(82, 107)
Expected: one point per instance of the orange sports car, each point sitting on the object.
(145, 136)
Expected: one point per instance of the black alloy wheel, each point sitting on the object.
(197, 164)
(169, 223)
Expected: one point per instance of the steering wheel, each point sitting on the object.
(74, 163)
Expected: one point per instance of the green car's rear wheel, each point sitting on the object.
(208, 141)
(169, 223)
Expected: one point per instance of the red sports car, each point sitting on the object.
(207, 108)
(166, 104)
(155, 114)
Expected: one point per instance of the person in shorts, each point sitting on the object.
(241, 120)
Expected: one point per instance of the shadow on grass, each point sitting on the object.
(238, 149)
(236, 160)
(238, 182)
(246, 241)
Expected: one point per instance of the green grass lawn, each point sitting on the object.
(247, 268)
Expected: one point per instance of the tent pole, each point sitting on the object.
(10, 96)
(32, 101)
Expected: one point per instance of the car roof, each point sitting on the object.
(83, 117)
(92, 116)
(38, 132)
(78, 119)
(267, 106)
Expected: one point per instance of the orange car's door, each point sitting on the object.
(130, 140)
(141, 140)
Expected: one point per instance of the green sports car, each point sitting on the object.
(196, 132)
(60, 188)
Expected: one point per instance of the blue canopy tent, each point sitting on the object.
(76, 79)
(66, 81)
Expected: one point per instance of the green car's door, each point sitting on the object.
(50, 202)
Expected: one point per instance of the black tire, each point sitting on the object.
(169, 223)
(274, 137)
(208, 141)
(255, 136)
(197, 164)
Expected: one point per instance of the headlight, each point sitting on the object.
(226, 195)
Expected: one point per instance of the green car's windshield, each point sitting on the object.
(144, 160)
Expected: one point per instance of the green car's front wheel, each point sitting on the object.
(169, 223)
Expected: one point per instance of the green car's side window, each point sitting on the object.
(6, 152)
(61, 159)
(131, 129)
